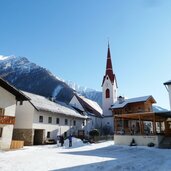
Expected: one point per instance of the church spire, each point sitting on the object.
(109, 69)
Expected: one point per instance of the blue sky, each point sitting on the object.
(70, 39)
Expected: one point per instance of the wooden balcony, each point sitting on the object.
(7, 120)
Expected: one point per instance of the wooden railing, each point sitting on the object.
(7, 120)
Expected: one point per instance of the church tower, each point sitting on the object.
(109, 92)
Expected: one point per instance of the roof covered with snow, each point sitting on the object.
(124, 102)
(44, 104)
(91, 107)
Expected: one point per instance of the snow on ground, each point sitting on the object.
(103, 156)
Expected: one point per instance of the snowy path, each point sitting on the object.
(95, 157)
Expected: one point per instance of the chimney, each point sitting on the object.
(121, 99)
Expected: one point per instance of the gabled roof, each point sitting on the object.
(41, 103)
(17, 93)
(89, 106)
(167, 82)
(121, 104)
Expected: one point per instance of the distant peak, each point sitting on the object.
(2, 57)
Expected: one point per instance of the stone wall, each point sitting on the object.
(141, 140)
(24, 134)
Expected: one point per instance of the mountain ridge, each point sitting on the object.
(30, 77)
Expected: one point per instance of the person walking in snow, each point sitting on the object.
(70, 140)
(62, 140)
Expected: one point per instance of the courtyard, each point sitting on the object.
(80, 157)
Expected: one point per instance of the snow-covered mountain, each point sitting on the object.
(87, 92)
(28, 76)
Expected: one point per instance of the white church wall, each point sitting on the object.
(107, 102)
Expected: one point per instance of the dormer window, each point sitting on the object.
(107, 93)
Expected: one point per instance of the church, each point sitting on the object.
(109, 95)
(132, 118)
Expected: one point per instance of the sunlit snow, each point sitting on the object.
(104, 156)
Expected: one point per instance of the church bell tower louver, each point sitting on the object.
(109, 92)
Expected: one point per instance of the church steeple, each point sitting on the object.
(109, 69)
(109, 92)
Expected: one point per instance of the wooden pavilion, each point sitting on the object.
(134, 118)
(159, 122)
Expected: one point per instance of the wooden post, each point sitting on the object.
(166, 125)
(154, 124)
(140, 124)
(160, 126)
(122, 124)
(115, 120)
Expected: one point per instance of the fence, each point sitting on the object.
(16, 144)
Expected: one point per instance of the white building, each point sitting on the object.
(40, 119)
(109, 94)
(90, 109)
(168, 87)
(8, 99)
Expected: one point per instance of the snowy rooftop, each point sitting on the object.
(92, 104)
(90, 107)
(42, 103)
(124, 102)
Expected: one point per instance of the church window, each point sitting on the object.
(107, 93)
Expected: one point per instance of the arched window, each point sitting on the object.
(107, 93)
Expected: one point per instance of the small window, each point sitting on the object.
(74, 122)
(107, 93)
(1, 129)
(57, 120)
(83, 123)
(66, 121)
(48, 134)
(49, 119)
(41, 119)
